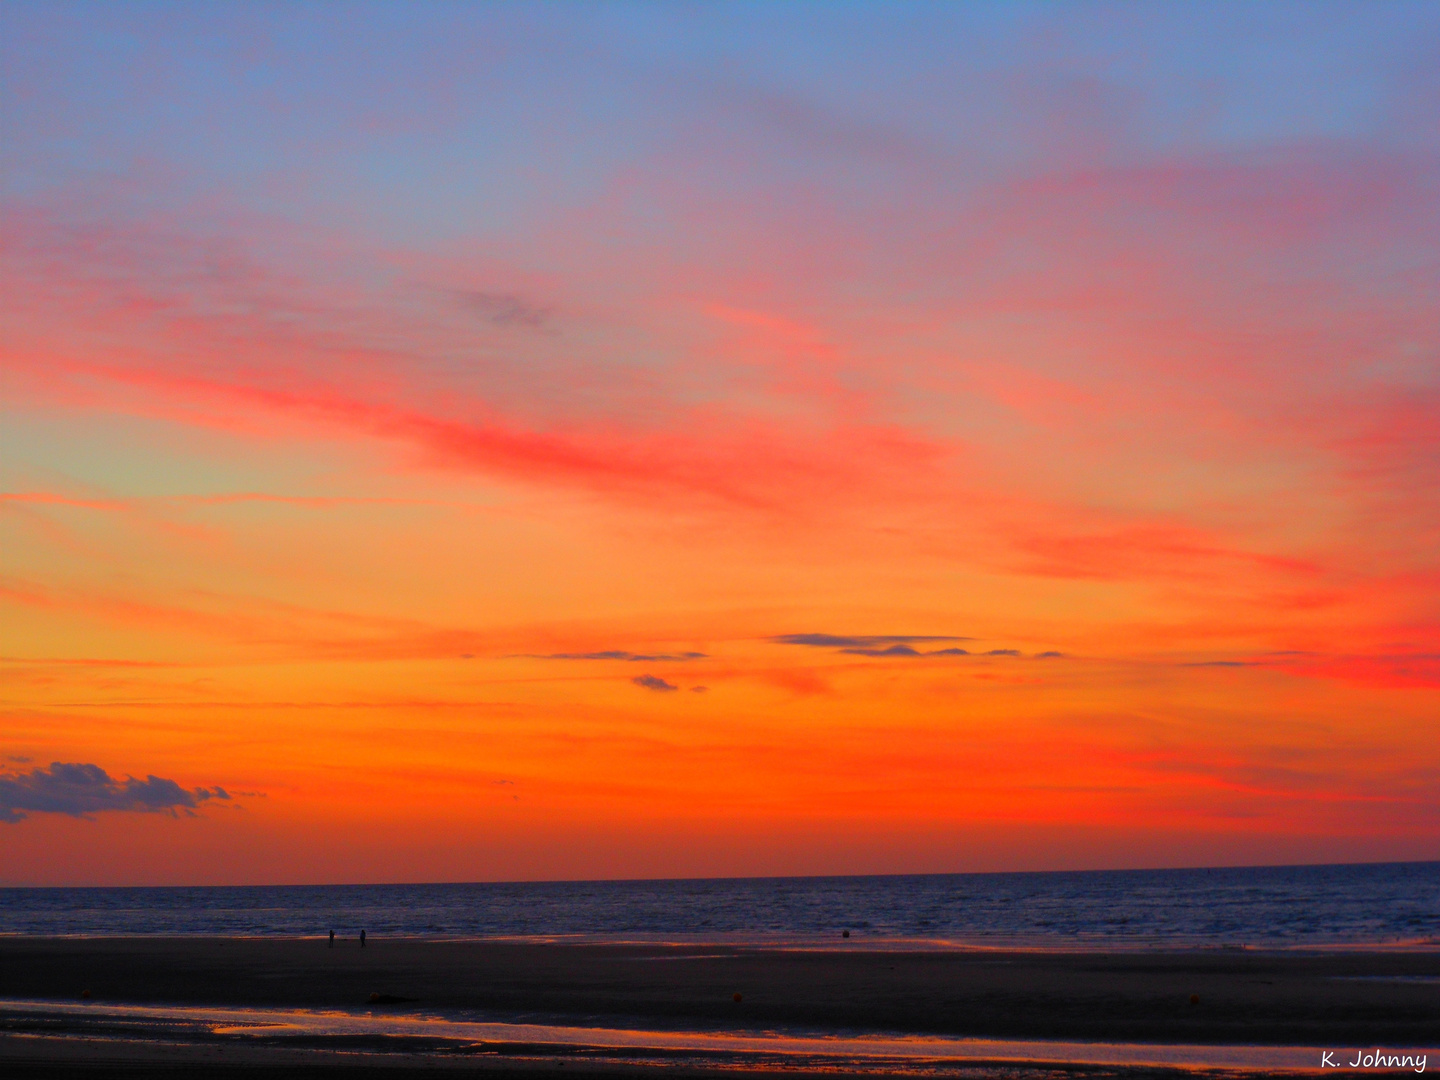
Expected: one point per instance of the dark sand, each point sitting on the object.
(1245, 997)
(1389, 999)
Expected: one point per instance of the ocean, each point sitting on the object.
(1257, 907)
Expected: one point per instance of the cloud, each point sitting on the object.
(889, 645)
(651, 682)
(504, 309)
(1387, 670)
(616, 654)
(80, 790)
(1050, 655)
(699, 689)
(858, 641)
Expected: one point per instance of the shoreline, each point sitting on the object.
(828, 943)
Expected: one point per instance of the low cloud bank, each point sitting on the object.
(80, 790)
(893, 645)
(616, 654)
(860, 641)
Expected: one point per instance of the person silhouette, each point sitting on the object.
(332, 939)
(362, 939)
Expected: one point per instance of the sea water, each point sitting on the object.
(1260, 907)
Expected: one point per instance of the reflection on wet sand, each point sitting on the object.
(445, 1035)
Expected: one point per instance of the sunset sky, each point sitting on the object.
(495, 441)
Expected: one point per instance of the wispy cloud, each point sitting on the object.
(859, 641)
(653, 682)
(503, 308)
(1389, 670)
(614, 654)
(893, 646)
(80, 790)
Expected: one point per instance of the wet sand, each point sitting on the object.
(1340, 1000)
(85, 1062)
(1245, 997)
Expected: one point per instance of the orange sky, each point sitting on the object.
(1021, 463)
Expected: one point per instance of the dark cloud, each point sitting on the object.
(890, 645)
(80, 790)
(1219, 663)
(1051, 655)
(699, 689)
(617, 654)
(504, 309)
(651, 682)
(859, 641)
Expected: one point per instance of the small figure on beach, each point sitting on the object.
(362, 939)
(332, 939)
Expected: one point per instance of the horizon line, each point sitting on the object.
(750, 877)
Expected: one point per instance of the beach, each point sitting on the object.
(1335, 999)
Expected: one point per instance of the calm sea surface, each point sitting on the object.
(1255, 906)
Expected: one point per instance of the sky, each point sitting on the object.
(449, 442)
